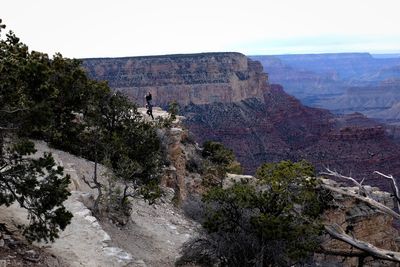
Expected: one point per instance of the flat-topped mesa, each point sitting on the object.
(191, 78)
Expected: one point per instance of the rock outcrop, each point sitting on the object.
(362, 222)
(193, 78)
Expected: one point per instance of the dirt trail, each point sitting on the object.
(152, 237)
(158, 232)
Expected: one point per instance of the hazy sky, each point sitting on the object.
(98, 28)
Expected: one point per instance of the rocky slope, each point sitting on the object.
(152, 236)
(374, 101)
(226, 97)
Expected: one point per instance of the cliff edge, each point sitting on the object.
(192, 78)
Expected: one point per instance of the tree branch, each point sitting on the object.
(337, 232)
(88, 183)
(394, 183)
(367, 200)
(338, 175)
(13, 111)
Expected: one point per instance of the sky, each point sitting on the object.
(99, 28)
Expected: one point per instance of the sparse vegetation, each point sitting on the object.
(219, 161)
(173, 109)
(129, 146)
(273, 223)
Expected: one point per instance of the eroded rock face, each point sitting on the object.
(193, 78)
(281, 129)
(175, 174)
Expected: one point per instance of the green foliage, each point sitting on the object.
(131, 146)
(234, 167)
(47, 95)
(219, 161)
(39, 186)
(217, 153)
(275, 220)
(173, 109)
(294, 183)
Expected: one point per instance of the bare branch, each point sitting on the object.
(367, 200)
(338, 175)
(88, 183)
(337, 232)
(8, 128)
(13, 111)
(394, 183)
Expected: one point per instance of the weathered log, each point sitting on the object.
(338, 233)
(338, 175)
(394, 183)
(367, 200)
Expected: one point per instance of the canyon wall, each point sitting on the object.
(342, 83)
(193, 78)
(282, 128)
(226, 97)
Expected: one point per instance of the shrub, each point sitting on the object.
(217, 153)
(273, 223)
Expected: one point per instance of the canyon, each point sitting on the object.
(227, 97)
(343, 83)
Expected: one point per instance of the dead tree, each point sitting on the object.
(336, 232)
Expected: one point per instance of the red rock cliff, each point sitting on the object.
(193, 78)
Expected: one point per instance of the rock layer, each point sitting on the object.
(284, 129)
(194, 78)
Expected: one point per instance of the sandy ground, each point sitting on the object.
(152, 237)
(159, 231)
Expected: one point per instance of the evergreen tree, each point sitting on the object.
(274, 222)
(37, 184)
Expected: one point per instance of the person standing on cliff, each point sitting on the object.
(148, 98)
(149, 110)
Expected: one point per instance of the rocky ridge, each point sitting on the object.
(284, 129)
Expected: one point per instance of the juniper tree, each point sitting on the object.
(273, 222)
(36, 184)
